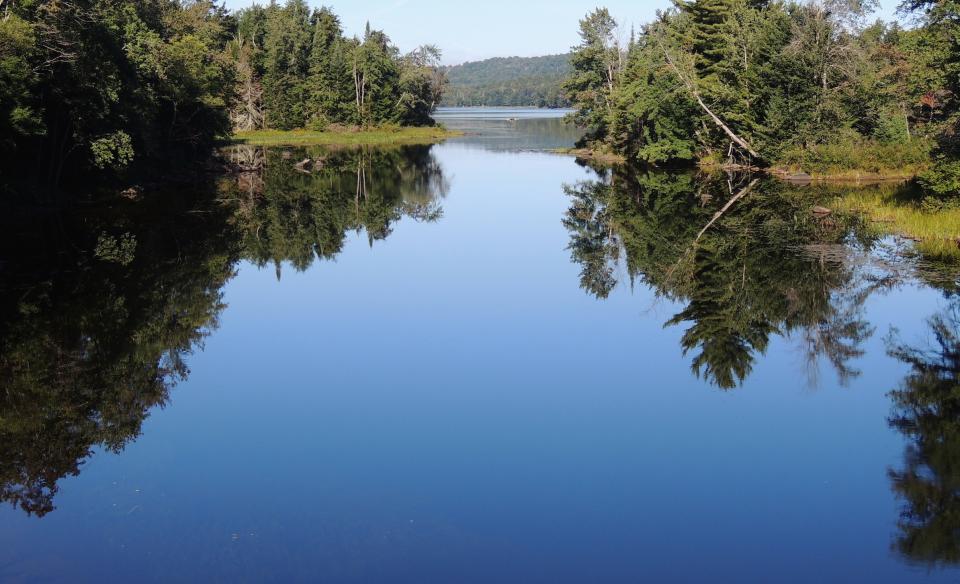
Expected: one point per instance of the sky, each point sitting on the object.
(470, 31)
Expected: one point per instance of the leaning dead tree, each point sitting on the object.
(689, 85)
(733, 200)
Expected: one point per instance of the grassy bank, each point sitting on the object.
(899, 211)
(601, 157)
(851, 161)
(858, 160)
(344, 137)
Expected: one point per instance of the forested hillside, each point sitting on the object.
(92, 89)
(509, 81)
(814, 85)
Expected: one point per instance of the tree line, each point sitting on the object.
(297, 69)
(764, 83)
(91, 88)
(509, 81)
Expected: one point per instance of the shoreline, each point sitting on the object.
(935, 233)
(851, 176)
(366, 137)
(787, 174)
(590, 155)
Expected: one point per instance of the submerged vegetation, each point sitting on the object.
(811, 86)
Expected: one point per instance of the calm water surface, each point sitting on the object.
(475, 362)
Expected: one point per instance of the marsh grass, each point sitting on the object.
(900, 210)
(858, 160)
(345, 136)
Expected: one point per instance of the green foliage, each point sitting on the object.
(804, 84)
(891, 158)
(88, 84)
(121, 249)
(297, 70)
(19, 116)
(330, 85)
(287, 47)
(98, 89)
(509, 81)
(596, 64)
(113, 151)
(943, 179)
(421, 86)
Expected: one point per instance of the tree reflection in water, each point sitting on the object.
(100, 311)
(98, 316)
(760, 269)
(927, 413)
(290, 214)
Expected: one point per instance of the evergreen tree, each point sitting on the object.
(287, 64)
(748, 82)
(596, 64)
(330, 80)
(711, 36)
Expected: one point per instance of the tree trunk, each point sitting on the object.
(726, 207)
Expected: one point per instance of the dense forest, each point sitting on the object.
(92, 88)
(509, 81)
(816, 86)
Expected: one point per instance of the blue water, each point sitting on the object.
(448, 405)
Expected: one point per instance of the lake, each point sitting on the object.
(475, 362)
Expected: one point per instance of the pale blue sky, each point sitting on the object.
(488, 28)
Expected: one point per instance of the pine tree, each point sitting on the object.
(597, 63)
(286, 64)
(712, 35)
(330, 85)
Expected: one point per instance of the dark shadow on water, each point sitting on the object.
(100, 310)
(98, 315)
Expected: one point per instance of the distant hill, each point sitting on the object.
(508, 81)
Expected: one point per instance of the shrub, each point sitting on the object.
(862, 156)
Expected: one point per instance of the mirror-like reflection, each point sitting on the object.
(299, 205)
(927, 413)
(747, 258)
(510, 130)
(99, 315)
(101, 312)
